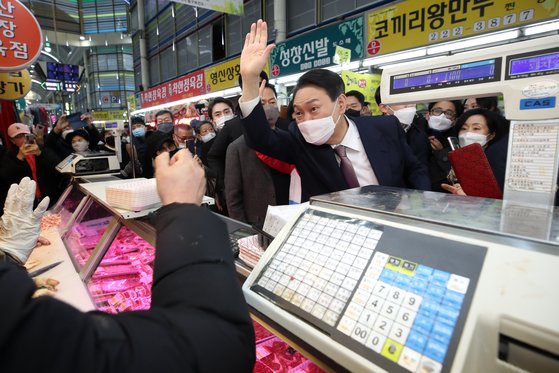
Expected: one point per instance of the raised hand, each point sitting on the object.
(254, 57)
(179, 179)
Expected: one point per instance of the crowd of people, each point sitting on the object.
(253, 156)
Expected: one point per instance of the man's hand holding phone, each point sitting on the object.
(62, 125)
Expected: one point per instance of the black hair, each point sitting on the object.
(489, 103)
(136, 120)
(358, 95)
(495, 122)
(268, 85)
(199, 126)
(377, 96)
(163, 112)
(263, 76)
(322, 78)
(218, 100)
(459, 108)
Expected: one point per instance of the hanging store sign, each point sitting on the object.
(364, 83)
(21, 39)
(14, 85)
(109, 115)
(223, 76)
(190, 85)
(223, 6)
(411, 24)
(317, 49)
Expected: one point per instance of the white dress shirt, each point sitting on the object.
(356, 153)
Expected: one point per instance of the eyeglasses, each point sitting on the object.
(448, 113)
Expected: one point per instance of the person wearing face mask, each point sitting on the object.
(183, 134)
(25, 158)
(355, 103)
(57, 140)
(79, 140)
(490, 130)
(254, 181)
(229, 128)
(164, 121)
(441, 117)
(413, 125)
(331, 151)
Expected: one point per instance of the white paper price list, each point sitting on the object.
(534, 149)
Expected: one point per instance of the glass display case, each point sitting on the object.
(85, 232)
(123, 279)
(114, 256)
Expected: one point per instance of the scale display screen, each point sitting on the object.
(532, 64)
(476, 72)
(111, 125)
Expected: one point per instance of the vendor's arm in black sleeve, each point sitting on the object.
(198, 319)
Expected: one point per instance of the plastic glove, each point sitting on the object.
(20, 225)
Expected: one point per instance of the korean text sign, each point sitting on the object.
(317, 49)
(14, 85)
(190, 85)
(223, 76)
(21, 39)
(411, 24)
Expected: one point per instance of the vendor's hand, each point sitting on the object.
(254, 57)
(20, 225)
(62, 125)
(454, 189)
(179, 179)
(435, 143)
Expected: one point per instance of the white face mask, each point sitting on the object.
(318, 131)
(405, 115)
(221, 121)
(469, 138)
(208, 137)
(65, 133)
(182, 145)
(80, 146)
(440, 122)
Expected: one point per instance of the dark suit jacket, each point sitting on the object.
(249, 184)
(383, 139)
(198, 321)
(496, 153)
(419, 141)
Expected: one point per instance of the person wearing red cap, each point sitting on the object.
(25, 158)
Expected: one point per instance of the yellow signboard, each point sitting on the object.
(225, 75)
(411, 24)
(109, 115)
(364, 83)
(222, 76)
(14, 85)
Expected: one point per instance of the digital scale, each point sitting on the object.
(95, 163)
(392, 280)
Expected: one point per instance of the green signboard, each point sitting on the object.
(317, 48)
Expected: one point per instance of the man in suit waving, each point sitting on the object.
(331, 151)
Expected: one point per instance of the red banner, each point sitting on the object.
(187, 86)
(21, 39)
